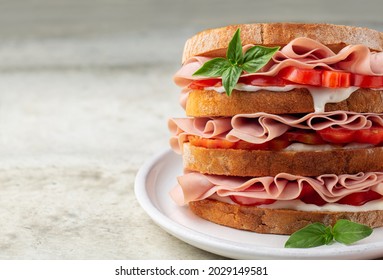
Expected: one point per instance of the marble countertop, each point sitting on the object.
(85, 93)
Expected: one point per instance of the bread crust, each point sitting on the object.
(237, 162)
(209, 103)
(276, 221)
(213, 42)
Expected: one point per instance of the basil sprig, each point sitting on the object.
(317, 234)
(231, 67)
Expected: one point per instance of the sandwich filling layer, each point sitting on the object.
(326, 192)
(301, 53)
(303, 63)
(265, 131)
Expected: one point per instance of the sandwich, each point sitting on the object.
(283, 126)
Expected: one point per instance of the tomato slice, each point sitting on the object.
(310, 196)
(329, 78)
(274, 145)
(373, 135)
(365, 81)
(313, 77)
(201, 84)
(210, 143)
(294, 75)
(337, 135)
(260, 80)
(360, 198)
(333, 79)
(302, 76)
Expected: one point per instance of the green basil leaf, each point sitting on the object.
(256, 57)
(230, 78)
(234, 51)
(231, 67)
(213, 68)
(313, 235)
(348, 232)
(329, 237)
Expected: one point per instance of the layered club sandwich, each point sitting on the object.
(284, 126)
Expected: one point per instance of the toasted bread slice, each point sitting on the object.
(277, 221)
(238, 162)
(214, 42)
(209, 103)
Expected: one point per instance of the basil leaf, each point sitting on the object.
(313, 235)
(231, 67)
(213, 68)
(256, 57)
(348, 232)
(230, 78)
(234, 51)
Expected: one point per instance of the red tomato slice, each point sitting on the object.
(259, 80)
(302, 76)
(294, 75)
(373, 135)
(333, 79)
(310, 196)
(210, 143)
(328, 78)
(337, 135)
(313, 77)
(365, 81)
(201, 84)
(275, 144)
(360, 198)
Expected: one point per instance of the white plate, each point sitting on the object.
(158, 176)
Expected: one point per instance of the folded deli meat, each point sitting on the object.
(301, 134)
(329, 188)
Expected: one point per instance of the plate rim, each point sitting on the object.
(234, 249)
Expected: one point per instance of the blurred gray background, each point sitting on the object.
(85, 93)
(121, 33)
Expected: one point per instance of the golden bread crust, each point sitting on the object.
(213, 42)
(209, 103)
(237, 162)
(276, 221)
